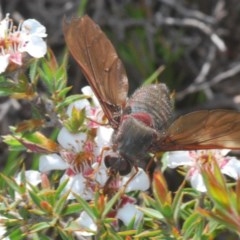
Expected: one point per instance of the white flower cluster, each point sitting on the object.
(15, 41)
(82, 161)
(192, 160)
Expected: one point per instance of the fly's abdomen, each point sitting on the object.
(154, 100)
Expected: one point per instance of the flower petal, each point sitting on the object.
(4, 61)
(179, 158)
(232, 168)
(197, 182)
(80, 104)
(100, 173)
(4, 26)
(140, 181)
(33, 27)
(77, 184)
(16, 58)
(87, 90)
(50, 162)
(70, 141)
(103, 138)
(128, 212)
(35, 47)
(86, 223)
(32, 176)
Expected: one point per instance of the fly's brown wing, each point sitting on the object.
(100, 64)
(213, 129)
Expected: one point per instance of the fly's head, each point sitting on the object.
(117, 163)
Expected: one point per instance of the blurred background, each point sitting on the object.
(197, 42)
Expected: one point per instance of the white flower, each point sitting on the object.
(75, 168)
(51, 162)
(15, 41)
(32, 27)
(77, 155)
(136, 181)
(103, 138)
(80, 104)
(4, 60)
(70, 141)
(87, 90)
(78, 185)
(192, 160)
(33, 177)
(87, 225)
(231, 167)
(128, 212)
(93, 112)
(4, 24)
(81, 156)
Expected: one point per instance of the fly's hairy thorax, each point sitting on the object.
(146, 112)
(153, 100)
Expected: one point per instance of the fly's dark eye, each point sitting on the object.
(124, 168)
(118, 164)
(109, 161)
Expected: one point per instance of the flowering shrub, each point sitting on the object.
(70, 193)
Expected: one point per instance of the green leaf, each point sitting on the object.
(154, 76)
(127, 233)
(37, 142)
(60, 204)
(70, 99)
(193, 226)
(72, 208)
(61, 79)
(60, 188)
(36, 199)
(167, 211)
(110, 233)
(33, 71)
(111, 203)
(152, 213)
(11, 183)
(148, 234)
(82, 7)
(75, 122)
(15, 233)
(12, 165)
(64, 235)
(46, 75)
(13, 143)
(86, 207)
(177, 203)
(64, 91)
(39, 226)
(6, 86)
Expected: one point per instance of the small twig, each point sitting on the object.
(187, 12)
(219, 11)
(191, 22)
(205, 69)
(220, 77)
